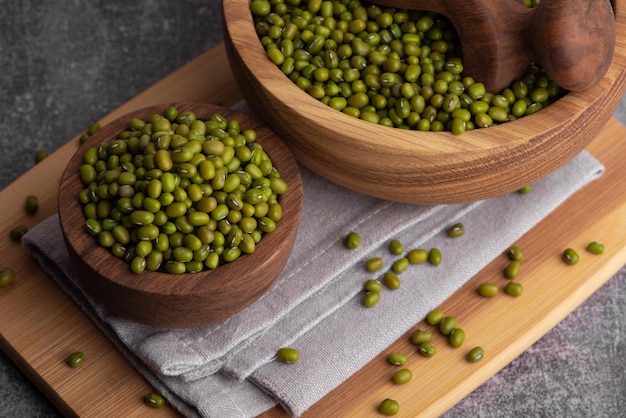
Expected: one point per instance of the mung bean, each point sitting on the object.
(570, 256)
(456, 230)
(402, 376)
(18, 232)
(374, 264)
(512, 270)
(427, 349)
(435, 317)
(154, 400)
(421, 335)
(373, 285)
(353, 240)
(434, 256)
(595, 247)
(288, 355)
(7, 277)
(31, 204)
(448, 324)
(417, 256)
(475, 354)
(75, 359)
(515, 253)
(371, 299)
(389, 407)
(488, 290)
(397, 359)
(396, 247)
(391, 280)
(456, 337)
(514, 289)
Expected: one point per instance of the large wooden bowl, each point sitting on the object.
(411, 166)
(189, 299)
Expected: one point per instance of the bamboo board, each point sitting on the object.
(40, 325)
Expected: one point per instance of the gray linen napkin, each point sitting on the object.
(228, 369)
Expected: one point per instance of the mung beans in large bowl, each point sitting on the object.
(410, 165)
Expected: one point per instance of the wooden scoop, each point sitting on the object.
(573, 40)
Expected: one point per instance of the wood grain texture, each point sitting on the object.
(41, 325)
(411, 166)
(573, 40)
(180, 300)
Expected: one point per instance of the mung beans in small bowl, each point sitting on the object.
(182, 214)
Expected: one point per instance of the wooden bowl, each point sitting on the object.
(189, 299)
(412, 166)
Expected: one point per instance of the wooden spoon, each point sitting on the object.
(573, 40)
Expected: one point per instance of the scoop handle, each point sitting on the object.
(573, 40)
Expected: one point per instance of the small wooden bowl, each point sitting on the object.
(190, 299)
(412, 166)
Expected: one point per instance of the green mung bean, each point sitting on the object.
(402, 376)
(389, 407)
(154, 400)
(526, 189)
(475, 354)
(434, 256)
(373, 285)
(456, 230)
(7, 277)
(570, 256)
(421, 335)
(391, 280)
(75, 359)
(288, 355)
(515, 253)
(447, 325)
(595, 247)
(400, 265)
(352, 240)
(514, 289)
(417, 256)
(396, 247)
(374, 264)
(488, 290)
(512, 270)
(397, 359)
(18, 232)
(31, 204)
(427, 349)
(371, 299)
(435, 317)
(456, 337)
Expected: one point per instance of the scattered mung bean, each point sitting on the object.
(475, 354)
(374, 264)
(427, 349)
(570, 256)
(76, 359)
(434, 256)
(421, 335)
(512, 270)
(526, 189)
(389, 407)
(372, 285)
(40, 155)
(417, 256)
(515, 253)
(353, 240)
(288, 355)
(488, 290)
(391, 280)
(400, 265)
(435, 317)
(456, 337)
(154, 400)
(595, 247)
(371, 299)
(397, 359)
(448, 324)
(456, 230)
(514, 289)
(18, 232)
(396, 247)
(402, 376)
(31, 204)
(7, 277)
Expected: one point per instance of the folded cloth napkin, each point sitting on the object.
(228, 369)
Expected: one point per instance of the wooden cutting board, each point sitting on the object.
(41, 326)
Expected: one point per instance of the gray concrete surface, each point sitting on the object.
(64, 64)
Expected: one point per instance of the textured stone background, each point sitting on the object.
(65, 64)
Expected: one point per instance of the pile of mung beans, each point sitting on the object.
(178, 194)
(394, 67)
